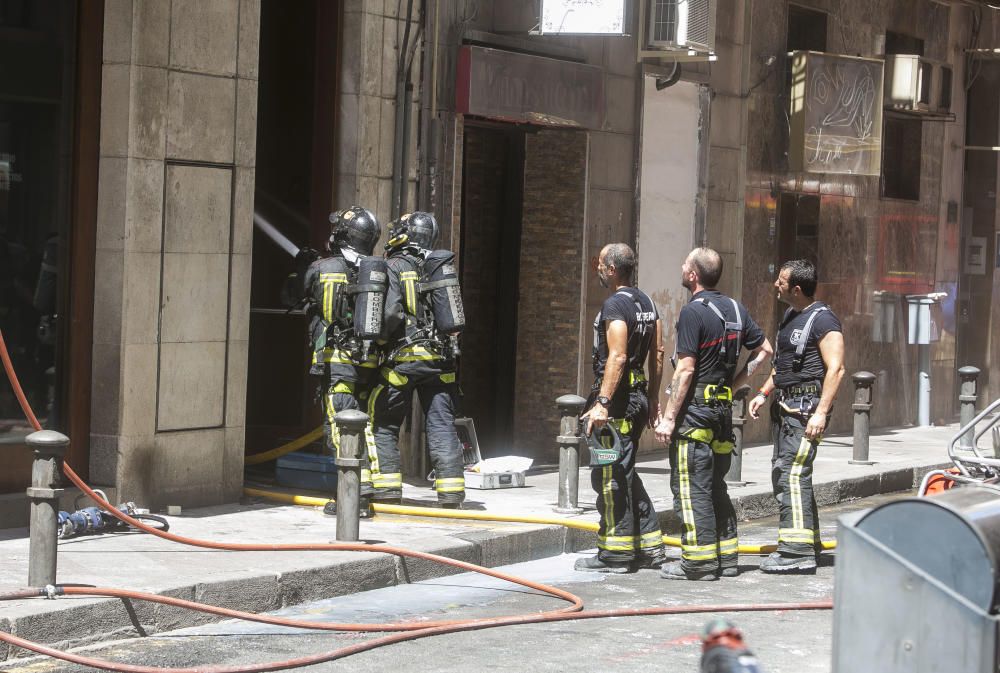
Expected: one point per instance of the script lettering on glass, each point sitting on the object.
(836, 114)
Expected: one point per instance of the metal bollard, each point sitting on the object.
(570, 408)
(864, 383)
(735, 473)
(967, 402)
(351, 425)
(49, 448)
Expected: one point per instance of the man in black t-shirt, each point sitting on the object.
(698, 418)
(627, 334)
(807, 373)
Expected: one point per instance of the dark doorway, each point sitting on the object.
(492, 201)
(977, 342)
(798, 232)
(48, 169)
(798, 227)
(295, 124)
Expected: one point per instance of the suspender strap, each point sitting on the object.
(433, 285)
(728, 326)
(800, 350)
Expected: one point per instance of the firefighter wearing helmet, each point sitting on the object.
(423, 317)
(345, 293)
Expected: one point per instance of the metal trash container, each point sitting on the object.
(918, 585)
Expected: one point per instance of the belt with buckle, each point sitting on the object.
(712, 394)
(801, 389)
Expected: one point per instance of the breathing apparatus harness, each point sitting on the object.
(805, 396)
(356, 306)
(440, 315)
(720, 393)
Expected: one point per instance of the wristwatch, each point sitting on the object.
(604, 401)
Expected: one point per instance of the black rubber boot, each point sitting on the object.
(649, 561)
(675, 571)
(593, 564)
(451, 500)
(787, 563)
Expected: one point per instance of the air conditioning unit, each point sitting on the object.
(909, 82)
(687, 25)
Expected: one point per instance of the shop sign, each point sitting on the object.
(529, 89)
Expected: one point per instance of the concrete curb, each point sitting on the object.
(71, 622)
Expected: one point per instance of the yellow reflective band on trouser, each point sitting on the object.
(392, 480)
(693, 552)
(722, 447)
(344, 387)
(369, 436)
(795, 479)
(616, 542)
(331, 411)
(370, 448)
(394, 378)
(730, 546)
(687, 510)
(607, 494)
(797, 536)
(703, 435)
(651, 540)
(449, 485)
(447, 378)
(635, 378)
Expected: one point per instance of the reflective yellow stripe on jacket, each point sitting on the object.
(329, 281)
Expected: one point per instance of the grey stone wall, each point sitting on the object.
(371, 35)
(854, 217)
(178, 133)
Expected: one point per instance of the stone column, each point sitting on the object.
(175, 218)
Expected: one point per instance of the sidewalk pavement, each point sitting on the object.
(263, 581)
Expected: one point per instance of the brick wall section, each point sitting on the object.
(549, 309)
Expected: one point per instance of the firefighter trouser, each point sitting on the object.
(698, 466)
(791, 477)
(389, 404)
(339, 396)
(629, 528)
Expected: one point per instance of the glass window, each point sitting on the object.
(38, 50)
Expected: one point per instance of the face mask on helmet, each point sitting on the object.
(355, 228)
(419, 229)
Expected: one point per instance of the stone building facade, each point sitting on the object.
(209, 113)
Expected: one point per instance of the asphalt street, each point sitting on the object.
(789, 642)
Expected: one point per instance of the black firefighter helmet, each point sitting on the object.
(355, 228)
(417, 228)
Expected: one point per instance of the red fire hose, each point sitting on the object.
(403, 631)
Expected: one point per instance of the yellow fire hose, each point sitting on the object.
(306, 501)
(294, 445)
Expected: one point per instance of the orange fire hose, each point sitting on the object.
(405, 631)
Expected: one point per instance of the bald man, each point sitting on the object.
(697, 421)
